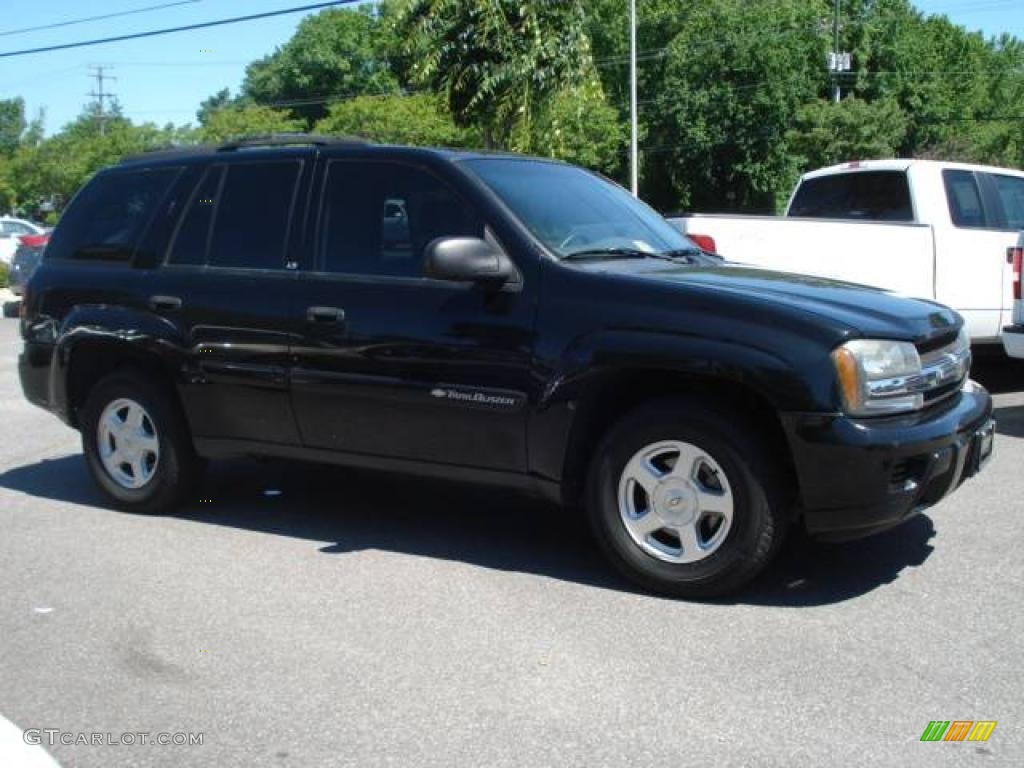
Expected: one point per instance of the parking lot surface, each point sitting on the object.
(316, 616)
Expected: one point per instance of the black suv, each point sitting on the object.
(492, 318)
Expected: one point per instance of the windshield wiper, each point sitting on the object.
(630, 253)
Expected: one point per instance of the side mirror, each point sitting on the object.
(467, 260)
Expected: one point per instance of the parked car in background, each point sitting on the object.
(10, 230)
(25, 261)
(1013, 335)
(926, 229)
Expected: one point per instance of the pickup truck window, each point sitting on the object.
(1011, 194)
(378, 217)
(106, 219)
(570, 210)
(965, 206)
(860, 195)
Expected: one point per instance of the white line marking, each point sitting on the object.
(14, 752)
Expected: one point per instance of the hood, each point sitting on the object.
(870, 312)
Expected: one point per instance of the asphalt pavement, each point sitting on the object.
(314, 616)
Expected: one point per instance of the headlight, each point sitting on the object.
(878, 377)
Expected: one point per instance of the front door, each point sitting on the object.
(394, 364)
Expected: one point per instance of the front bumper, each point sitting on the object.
(861, 476)
(1013, 340)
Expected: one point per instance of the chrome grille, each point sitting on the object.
(944, 370)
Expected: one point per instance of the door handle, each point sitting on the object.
(164, 303)
(325, 315)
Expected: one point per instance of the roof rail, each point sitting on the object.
(284, 140)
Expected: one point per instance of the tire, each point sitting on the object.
(727, 485)
(166, 470)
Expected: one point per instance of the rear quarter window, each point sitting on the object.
(860, 195)
(108, 217)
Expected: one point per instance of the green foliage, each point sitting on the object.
(335, 53)
(495, 62)
(234, 122)
(416, 119)
(4, 275)
(826, 133)
(730, 92)
(12, 124)
(579, 126)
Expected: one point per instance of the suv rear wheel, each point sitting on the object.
(137, 445)
(685, 500)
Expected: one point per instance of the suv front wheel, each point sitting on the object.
(137, 444)
(685, 500)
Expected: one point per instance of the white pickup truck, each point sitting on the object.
(934, 230)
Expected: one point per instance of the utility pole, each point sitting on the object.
(99, 94)
(633, 151)
(835, 76)
(838, 61)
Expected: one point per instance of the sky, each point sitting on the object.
(163, 79)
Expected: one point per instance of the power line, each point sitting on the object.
(169, 30)
(85, 19)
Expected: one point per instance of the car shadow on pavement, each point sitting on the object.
(354, 511)
(1010, 420)
(998, 373)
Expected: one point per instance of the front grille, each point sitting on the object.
(944, 368)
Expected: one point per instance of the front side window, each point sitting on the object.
(378, 217)
(1011, 194)
(107, 218)
(964, 198)
(860, 195)
(572, 210)
(252, 213)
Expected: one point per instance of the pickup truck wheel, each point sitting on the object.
(137, 445)
(683, 499)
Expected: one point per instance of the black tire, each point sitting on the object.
(178, 470)
(759, 520)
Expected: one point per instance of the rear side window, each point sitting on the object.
(190, 241)
(108, 217)
(378, 217)
(964, 198)
(251, 216)
(1011, 194)
(863, 195)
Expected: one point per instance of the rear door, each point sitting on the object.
(393, 364)
(227, 284)
(970, 252)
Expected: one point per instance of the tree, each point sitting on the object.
(735, 77)
(335, 53)
(825, 133)
(247, 121)
(495, 62)
(579, 126)
(12, 124)
(220, 100)
(415, 119)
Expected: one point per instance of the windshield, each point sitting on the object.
(572, 210)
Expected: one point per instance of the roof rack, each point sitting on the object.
(286, 139)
